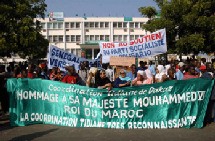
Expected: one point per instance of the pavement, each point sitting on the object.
(41, 132)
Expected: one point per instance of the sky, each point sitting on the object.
(100, 8)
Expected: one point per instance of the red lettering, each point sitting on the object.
(153, 37)
(108, 45)
(158, 35)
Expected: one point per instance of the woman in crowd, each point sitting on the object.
(122, 80)
(160, 72)
(103, 82)
(91, 80)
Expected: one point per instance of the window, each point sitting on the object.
(106, 24)
(60, 39)
(92, 24)
(125, 24)
(102, 25)
(87, 38)
(55, 38)
(68, 50)
(43, 25)
(67, 38)
(60, 25)
(102, 37)
(78, 38)
(97, 37)
(73, 51)
(131, 25)
(125, 38)
(92, 38)
(96, 24)
(72, 38)
(87, 24)
(78, 25)
(107, 38)
(49, 26)
(50, 39)
(115, 38)
(136, 37)
(120, 37)
(119, 25)
(131, 37)
(115, 24)
(66, 25)
(136, 25)
(72, 25)
(55, 26)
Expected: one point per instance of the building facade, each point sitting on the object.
(81, 35)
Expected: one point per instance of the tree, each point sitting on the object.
(19, 32)
(148, 11)
(189, 24)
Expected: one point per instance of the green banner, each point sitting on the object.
(172, 104)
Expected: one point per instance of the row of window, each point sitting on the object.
(77, 25)
(77, 38)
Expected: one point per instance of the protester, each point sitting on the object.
(133, 73)
(83, 72)
(159, 73)
(122, 80)
(151, 67)
(91, 80)
(30, 69)
(179, 74)
(139, 79)
(204, 72)
(54, 74)
(103, 82)
(71, 77)
(189, 73)
(142, 66)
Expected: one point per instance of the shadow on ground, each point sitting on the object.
(32, 136)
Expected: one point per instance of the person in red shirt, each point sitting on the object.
(30, 71)
(190, 73)
(71, 77)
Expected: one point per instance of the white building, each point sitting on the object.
(80, 35)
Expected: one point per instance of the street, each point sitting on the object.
(42, 132)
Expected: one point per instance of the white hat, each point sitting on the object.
(140, 72)
(93, 70)
(181, 64)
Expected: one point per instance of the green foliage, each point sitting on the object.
(148, 11)
(190, 25)
(19, 33)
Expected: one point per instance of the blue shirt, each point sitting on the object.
(152, 69)
(179, 75)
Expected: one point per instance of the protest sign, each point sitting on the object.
(148, 45)
(121, 61)
(172, 104)
(59, 58)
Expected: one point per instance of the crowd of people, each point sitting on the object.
(108, 77)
